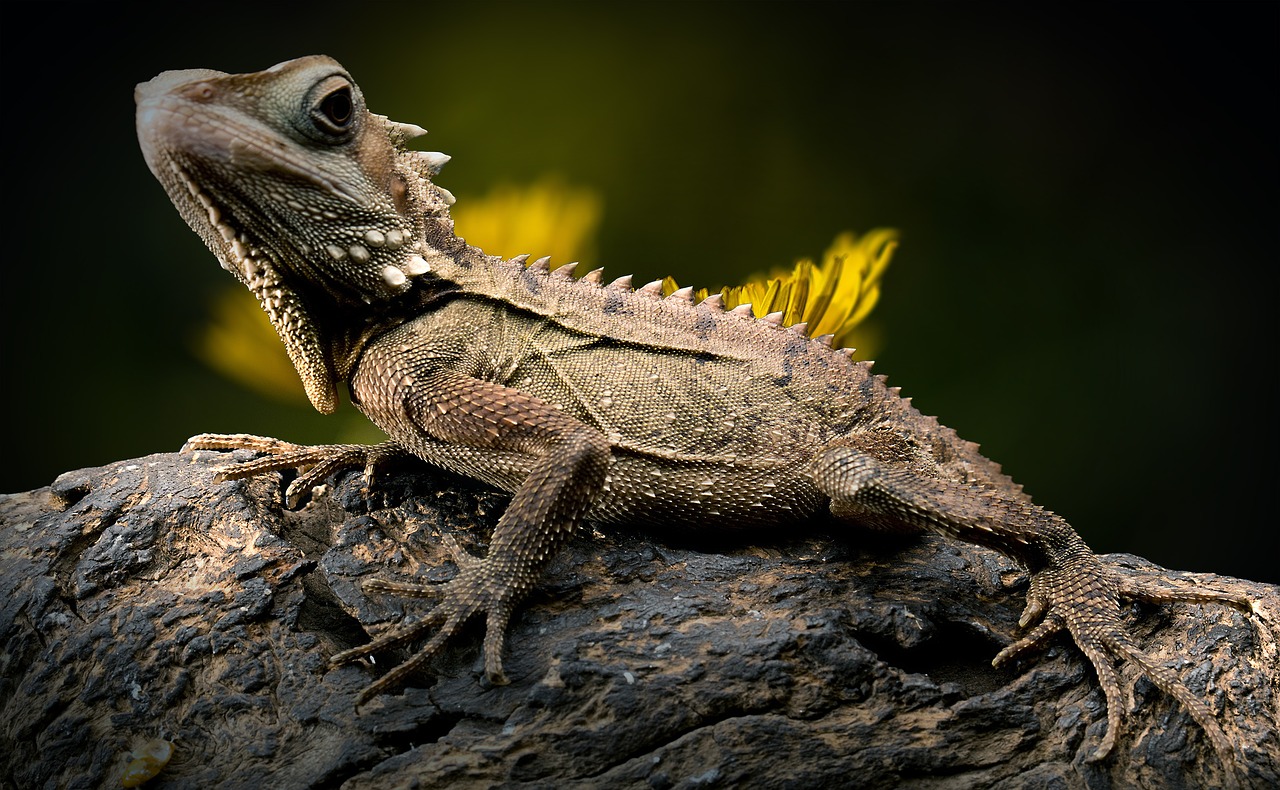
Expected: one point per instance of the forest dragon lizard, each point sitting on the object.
(586, 400)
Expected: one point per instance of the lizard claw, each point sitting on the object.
(1082, 596)
(1043, 630)
(476, 589)
(1036, 607)
(318, 461)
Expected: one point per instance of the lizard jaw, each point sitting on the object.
(285, 309)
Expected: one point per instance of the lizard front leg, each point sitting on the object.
(1071, 588)
(496, 433)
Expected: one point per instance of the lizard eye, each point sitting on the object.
(333, 109)
(337, 107)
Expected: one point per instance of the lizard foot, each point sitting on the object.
(318, 461)
(1083, 596)
(478, 587)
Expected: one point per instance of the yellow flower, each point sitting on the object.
(832, 298)
(240, 343)
(544, 218)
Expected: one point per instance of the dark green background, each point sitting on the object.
(1087, 196)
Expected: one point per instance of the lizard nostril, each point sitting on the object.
(201, 91)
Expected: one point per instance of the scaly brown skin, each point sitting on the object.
(584, 400)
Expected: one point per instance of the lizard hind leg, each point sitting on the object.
(1104, 643)
(1071, 588)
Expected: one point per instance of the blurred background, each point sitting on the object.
(1086, 196)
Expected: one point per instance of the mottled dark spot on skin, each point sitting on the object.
(532, 280)
(787, 373)
(613, 302)
(793, 351)
(795, 346)
(704, 324)
(866, 389)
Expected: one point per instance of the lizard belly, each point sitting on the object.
(733, 493)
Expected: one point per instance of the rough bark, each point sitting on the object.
(141, 600)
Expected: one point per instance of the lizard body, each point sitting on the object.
(586, 400)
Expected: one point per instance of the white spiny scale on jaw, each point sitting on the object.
(359, 253)
(416, 265)
(394, 276)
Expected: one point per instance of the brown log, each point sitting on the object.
(142, 601)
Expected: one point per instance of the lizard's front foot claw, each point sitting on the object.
(318, 461)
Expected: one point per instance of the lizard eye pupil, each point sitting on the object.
(337, 108)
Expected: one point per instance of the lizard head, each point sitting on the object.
(301, 193)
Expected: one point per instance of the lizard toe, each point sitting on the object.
(406, 589)
(392, 637)
(475, 590)
(495, 637)
(399, 673)
(317, 462)
(1042, 631)
(1163, 589)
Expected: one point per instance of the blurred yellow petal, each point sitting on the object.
(547, 217)
(240, 343)
(832, 298)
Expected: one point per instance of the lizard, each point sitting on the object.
(588, 401)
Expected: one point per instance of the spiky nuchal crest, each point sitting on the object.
(826, 300)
